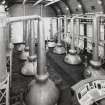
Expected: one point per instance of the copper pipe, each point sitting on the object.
(65, 25)
(59, 30)
(77, 29)
(3, 68)
(72, 34)
(21, 18)
(51, 29)
(24, 30)
(27, 34)
(41, 63)
(96, 34)
(85, 40)
(31, 39)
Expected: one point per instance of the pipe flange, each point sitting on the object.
(51, 44)
(26, 48)
(72, 51)
(42, 78)
(59, 44)
(96, 64)
(59, 50)
(32, 58)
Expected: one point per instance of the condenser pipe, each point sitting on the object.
(96, 33)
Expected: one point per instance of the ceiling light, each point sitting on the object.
(99, 2)
(3, 2)
(79, 6)
(67, 8)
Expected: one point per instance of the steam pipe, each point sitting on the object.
(59, 30)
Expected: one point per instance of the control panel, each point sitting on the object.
(90, 90)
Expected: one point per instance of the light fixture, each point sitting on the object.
(99, 2)
(67, 8)
(3, 2)
(6, 6)
(24, 1)
(58, 10)
(79, 6)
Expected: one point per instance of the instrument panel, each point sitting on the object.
(91, 91)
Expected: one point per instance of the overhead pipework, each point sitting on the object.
(72, 57)
(59, 49)
(41, 91)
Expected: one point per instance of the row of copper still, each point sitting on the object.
(41, 90)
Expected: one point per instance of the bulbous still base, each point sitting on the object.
(59, 49)
(42, 93)
(51, 44)
(94, 70)
(72, 58)
(29, 68)
(20, 47)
